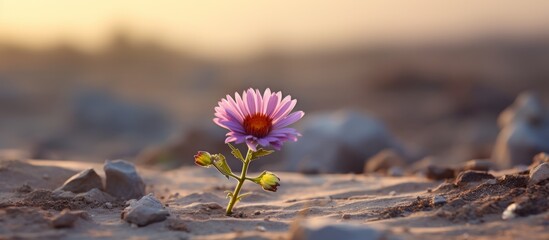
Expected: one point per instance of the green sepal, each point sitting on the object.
(260, 153)
(236, 153)
(258, 178)
(220, 163)
(229, 194)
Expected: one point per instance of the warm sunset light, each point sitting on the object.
(238, 26)
(272, 119)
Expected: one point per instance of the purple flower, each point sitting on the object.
(258, 119)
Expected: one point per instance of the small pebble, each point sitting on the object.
(472, 176)
(540, 173)
(25, 188)
(509, 212)
(491, 181)
(480, 165)
(392, 193)
(395, 171)
(67, 218)
(108, 205)
(257, 213)
(46, 176)
(346, 216)
(145, 211)
(438, 200)
(439, 173)
(261, 228)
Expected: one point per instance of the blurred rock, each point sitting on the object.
(100, 113)
(383, 161)
(320, 229)
(145, 211)
(439, 173)
(472, 176)
(123, 181)
(539, 159)
(395, 171)
(25, 188)
(540, 173)
(94, 196)
(524, 132)
(179, 151)
(338, 142)
(13, 99)
(13, 154)
(67, 218)
(480, 165)
(82, 182)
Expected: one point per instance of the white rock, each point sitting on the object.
(145, 211)
(509, 212)
(540, 173)
(524, 132)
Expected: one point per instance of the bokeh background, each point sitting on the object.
(96, 80)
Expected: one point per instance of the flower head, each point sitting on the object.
(203, 159)
(258, 119)
(268, 181)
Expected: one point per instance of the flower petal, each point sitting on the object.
(241, 105)
(284, 110)
(292, 118)
(250, 101)
(271, 104)
(265, 100)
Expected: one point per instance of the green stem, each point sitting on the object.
(234, 197)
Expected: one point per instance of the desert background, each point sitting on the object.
(88, 81)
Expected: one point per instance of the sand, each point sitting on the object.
(399, 207)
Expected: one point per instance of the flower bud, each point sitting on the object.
(268, 181)
(203, 159)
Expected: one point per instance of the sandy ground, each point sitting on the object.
(400, 207)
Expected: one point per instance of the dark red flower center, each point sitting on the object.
(258, 125)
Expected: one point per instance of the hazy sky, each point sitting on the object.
(237, 26)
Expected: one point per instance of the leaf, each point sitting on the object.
(260, 153)
(220, 163)
(229, 194)
(236, 153)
